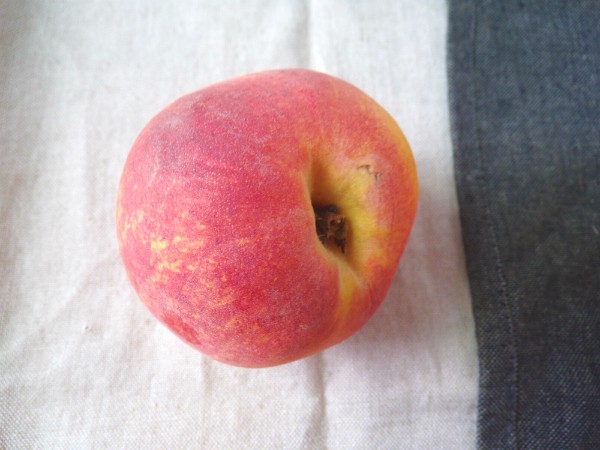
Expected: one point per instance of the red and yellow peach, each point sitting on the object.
(219, 204)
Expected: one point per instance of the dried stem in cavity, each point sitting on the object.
(332, 226)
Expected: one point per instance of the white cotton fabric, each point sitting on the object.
(82, 363)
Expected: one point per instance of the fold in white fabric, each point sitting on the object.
(82, 363)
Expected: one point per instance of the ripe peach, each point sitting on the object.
(262, 219)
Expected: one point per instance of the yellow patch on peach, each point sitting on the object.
(131, 223)
(188, 246)
(364, 234)
(348, 283)
(163, 251)
(171, 266)
(159, 278)
(349, 190)
(156, 245)
(223, 300)
(119, 212)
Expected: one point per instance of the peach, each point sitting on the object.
(262, 219)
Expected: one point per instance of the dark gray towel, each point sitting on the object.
(525, 99)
